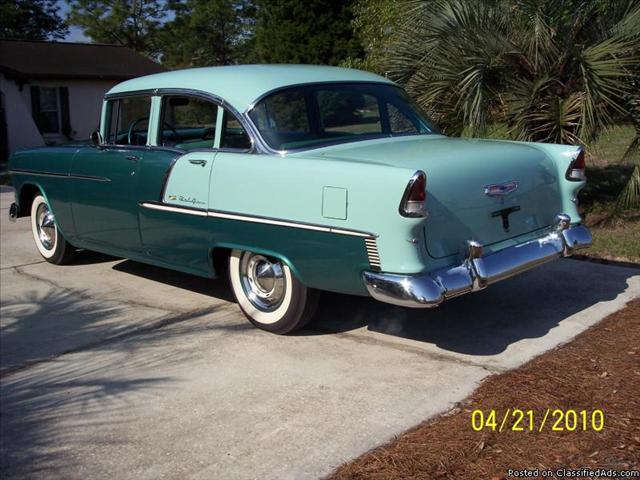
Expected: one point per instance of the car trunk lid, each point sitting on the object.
(485, 190)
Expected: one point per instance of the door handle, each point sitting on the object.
(133, 158)
(202, 163)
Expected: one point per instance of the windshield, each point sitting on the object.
(313, 116)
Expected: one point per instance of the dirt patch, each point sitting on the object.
(600, 369)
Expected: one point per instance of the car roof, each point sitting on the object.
(241, 85)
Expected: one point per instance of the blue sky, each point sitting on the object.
(75, 33)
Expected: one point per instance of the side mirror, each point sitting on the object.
(96, 139)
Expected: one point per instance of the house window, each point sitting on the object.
(46, 109)
(50, 109)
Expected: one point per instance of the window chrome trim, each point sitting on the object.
(257, 144)
(255, 219)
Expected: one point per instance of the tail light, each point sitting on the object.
(575, 172)
(415, 196)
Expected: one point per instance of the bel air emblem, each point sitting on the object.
(500, 189)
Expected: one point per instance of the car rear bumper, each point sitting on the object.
(476, 272)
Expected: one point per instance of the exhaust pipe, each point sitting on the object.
(13, 212)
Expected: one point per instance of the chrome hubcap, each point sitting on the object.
(263, 281)
(46, 226)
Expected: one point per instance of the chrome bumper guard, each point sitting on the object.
(477, 272)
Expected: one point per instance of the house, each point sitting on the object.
(51, 93)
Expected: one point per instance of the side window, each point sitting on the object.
(233, 134)
(399, 122)
(285, 113)
(282, 118)
(344, 112)
(188, 123)
(129, 121)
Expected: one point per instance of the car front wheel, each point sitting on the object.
(269, 295)
(50, 242)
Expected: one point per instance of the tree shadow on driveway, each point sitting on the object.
(485, 322)
(97, 368)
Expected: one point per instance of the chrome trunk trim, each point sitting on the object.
(371, 245)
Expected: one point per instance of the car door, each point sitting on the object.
(105, 179)
(174, 192)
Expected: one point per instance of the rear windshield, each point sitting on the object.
(317, 115)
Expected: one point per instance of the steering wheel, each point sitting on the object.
(133, 124)
(131, 128)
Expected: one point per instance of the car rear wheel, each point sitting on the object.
(269, 295)
(50, 242)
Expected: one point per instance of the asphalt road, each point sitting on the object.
(113, 369)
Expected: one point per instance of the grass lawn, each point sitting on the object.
(616, 236)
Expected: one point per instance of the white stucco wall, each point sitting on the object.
(85, 103)
(21, 129)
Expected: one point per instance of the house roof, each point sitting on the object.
(242, 85)
(31, 59)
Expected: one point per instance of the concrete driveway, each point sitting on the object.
(114, 369)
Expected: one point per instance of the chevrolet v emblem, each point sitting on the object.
(500, 189)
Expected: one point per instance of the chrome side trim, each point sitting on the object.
(90, 178)
(165, 178)
(169, 208)
(59, 175)
(371, 245)
(476, 273)
(254, 219)
(287, 223)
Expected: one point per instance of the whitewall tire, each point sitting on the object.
(49, 241)
(268, 293)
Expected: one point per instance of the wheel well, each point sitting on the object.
(220, 259)
(27, 194)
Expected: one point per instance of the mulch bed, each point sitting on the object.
(600, 369)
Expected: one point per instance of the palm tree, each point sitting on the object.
(549, 70)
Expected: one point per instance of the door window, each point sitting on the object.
(188, 123)
(129, 121)
(234, 135)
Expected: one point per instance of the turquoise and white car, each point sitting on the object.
(297, 179)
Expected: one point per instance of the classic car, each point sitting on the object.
(297, 179)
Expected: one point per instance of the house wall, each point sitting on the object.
(85, 103)
(21, 129)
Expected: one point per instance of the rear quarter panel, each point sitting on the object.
(291, 188)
